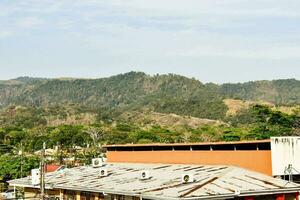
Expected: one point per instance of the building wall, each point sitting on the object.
(285, 152)
(271, 197)
(32, 194)
(259, 161)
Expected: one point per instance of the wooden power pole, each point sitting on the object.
(42, 172)
(22, 162)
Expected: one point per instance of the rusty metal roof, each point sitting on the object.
(210, 182)
(190, 144)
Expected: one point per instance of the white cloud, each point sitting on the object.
(252, 8)
(267, 53)
(5, 34)
(29, 22)
(156, 32)
(66, 24)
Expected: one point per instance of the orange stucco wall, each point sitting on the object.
(259, 161)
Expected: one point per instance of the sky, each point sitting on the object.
(211, 40)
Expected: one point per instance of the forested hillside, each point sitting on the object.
(135, 108)
(138, 91)
(279, 92)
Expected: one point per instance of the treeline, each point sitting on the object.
(24, 130)
(30, 127)
(278, 92)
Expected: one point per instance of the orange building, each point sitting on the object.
(253, 155)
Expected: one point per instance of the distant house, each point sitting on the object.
(53, 168)
(125, 181)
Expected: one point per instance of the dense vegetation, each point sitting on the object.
(279, 92)
(136, 91)
(31, 127)
(83, 113)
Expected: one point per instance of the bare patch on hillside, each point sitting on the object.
(235, 105)
(83, 118)
(167, 120)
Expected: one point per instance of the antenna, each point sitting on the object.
(289, 171)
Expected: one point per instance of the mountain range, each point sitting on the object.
(137, 91)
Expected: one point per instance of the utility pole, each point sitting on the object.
(42, 168)
(21, 155)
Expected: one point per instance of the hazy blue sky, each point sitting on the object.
(211, 40)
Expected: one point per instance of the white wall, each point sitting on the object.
(285, 151)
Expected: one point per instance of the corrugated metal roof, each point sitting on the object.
(190, 144)
(211, 182)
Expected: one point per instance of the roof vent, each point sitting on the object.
(237, 192)
(187, 178)
(103, 173)
(97, 162)
(144, 175)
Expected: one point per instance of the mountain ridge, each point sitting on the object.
(26, 78)
(168, 93)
